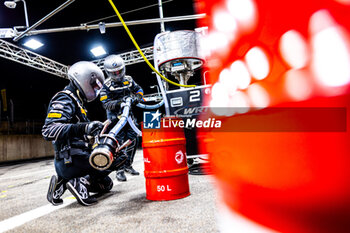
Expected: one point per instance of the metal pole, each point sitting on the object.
(64, 5)
(25, 13)
(182, 80)
(110, 25)
(162, 27)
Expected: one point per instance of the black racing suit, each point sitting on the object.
(65, 127)
(111, 96)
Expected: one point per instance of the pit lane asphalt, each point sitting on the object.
(24, 208)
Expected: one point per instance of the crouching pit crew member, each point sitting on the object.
(116, 87)
(68, 127)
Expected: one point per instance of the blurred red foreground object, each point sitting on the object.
(286, 55)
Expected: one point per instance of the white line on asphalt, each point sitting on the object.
(18, 220)
(30, 215)
(21, 219)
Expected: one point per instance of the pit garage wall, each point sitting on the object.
(21, 147)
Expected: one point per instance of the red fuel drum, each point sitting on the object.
(166, 171)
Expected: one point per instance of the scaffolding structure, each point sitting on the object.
(131, 57)
(23, 56)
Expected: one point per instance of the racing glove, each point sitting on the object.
(93, 128)
(139, 98)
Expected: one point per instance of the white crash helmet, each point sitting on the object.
(88, 78)
(114, 67)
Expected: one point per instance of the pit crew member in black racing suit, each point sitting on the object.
(116, 87)
(70, 131)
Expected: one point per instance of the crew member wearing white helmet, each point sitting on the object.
(116, 87)
(68, 127)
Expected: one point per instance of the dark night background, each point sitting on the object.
(30, 90)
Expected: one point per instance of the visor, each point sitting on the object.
(96, 86)
(116, 73)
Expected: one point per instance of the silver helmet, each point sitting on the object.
(88, 77)
(114, 67)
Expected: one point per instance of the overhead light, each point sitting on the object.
(98, 51)
(33, 44)
(10, 4)
(102, 27)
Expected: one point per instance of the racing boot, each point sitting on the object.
(131, 171)
(121, 175)
(119, 164)
(56, 189)
(79, 188)
(130, 151)
(101, 186)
